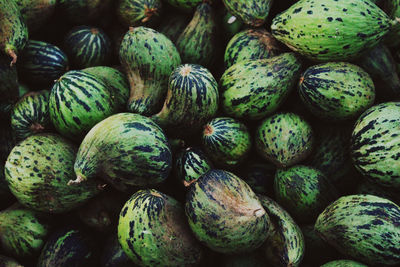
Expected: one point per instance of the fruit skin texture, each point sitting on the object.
(14, 33)
(284, 139)
(79, 100)
(36, 12)
(87, 47)
(225, 214)
(192, 100)
(153, 231)
(343, 263)
(124, 149)
(30, 114)
(303, 191)
(22, 231)
(375, 144)
(285, 247)
(136, 12)
(198, 44)
(336, 90)
(38, 170)
(252, 89)
(364, 227)
(252, 12)
(251, 44)
(226, 141)
(148, 58)
(331, 30)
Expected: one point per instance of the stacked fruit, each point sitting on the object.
(191, 133)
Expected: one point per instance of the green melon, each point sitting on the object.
(252, 12)
(139, 12)
(343, 263)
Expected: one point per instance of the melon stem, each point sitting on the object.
(12, 54)
(79, 179)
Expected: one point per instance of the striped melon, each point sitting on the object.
(252, 12)
(31, 114)
(87, 47)
(78, 101)
(124, 149)
(139, 12)
(41, 62)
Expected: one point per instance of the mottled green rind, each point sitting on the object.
(125, 149)
(116, 81)
(41, 63)
(38, 170)
(14, 32)
(185, 5)
(30, 115)
(192, 99)
(304, 192)
(225, 214)
(87, 47)
(8, 86)
(226, 141)
(22, 232)
(253, 89)
(198, 44)
(139, 12)
(8, 262)
(191, 164)
(284, 139)
(148, 58)
(343, 263)
(252, 12)
(331, 30)
(153, 231)
(67, 247)
(78, 101)
(83, 11)
(36, 12)
(336, 90)
(375, 144)
(285, 247)
(364, 227)
(251, 44)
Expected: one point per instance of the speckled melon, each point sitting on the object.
(284, 139)
(139, 12)
(375, 144)
(30, 115)
(191, 164)
(36, 12)
(304, 192)
(226, 141)
(23, 232)
(68, 247)
(364, 227)
(331, 30)
(225, 214)
(285, 247)
(252, 89)
(336, 90)
(148, 58)
(153, 231)
(124, 149)
(251, 44)
(252, 12)
(343, 263)
(38, 170)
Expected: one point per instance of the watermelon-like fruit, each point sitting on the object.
(375, 144)
(31, 114)
(87, 47)
(252, 12)
(78, 101)
(14, 32)
(124, 149)
(139, 12)
(192, 100)
(153, 231)
(225, 214)
(38, 170)
(304, 192)
(36, 12)
(251, 44)
(42, 63)
(336, 90)
(148, 58)
(284, 139)
(226, 141)
(331, 30)
(252, 89)
(364, 227)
